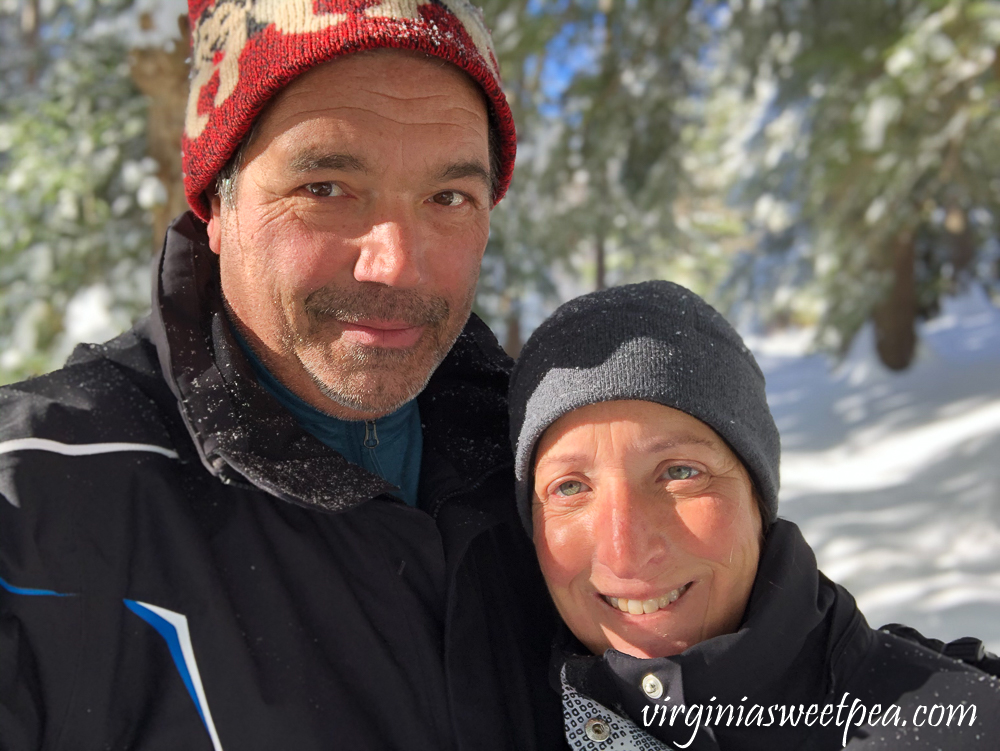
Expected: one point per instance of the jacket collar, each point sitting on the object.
(242, 435)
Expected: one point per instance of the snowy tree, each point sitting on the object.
(617, 168)
(78, 187)
(75, 185)
(601, 93)
(873, 158)
(518, 261)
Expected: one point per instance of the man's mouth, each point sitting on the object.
(389, 334)
(640, 607)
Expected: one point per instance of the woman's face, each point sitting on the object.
(645, 526)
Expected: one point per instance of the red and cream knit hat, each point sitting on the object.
(244, 51)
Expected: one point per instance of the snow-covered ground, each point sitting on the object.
(895, 478)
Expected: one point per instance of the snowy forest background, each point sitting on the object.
(823, 171)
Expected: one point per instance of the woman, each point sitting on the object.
(647, 470)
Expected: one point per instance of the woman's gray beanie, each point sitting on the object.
(656, 342)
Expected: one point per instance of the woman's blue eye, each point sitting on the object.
(682, 472)
(570, 487)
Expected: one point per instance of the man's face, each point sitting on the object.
(351, 252)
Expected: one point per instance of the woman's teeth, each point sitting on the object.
(638, 607)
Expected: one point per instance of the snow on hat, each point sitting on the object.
(243, 52)
(656, 342)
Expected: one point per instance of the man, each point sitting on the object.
(278, 513)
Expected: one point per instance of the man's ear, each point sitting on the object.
(215, 224)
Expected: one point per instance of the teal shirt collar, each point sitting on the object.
(390, 447)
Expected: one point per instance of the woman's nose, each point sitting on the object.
(629, 534)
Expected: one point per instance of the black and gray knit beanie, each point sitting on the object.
(657, 342)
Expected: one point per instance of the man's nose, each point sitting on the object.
(630, 537)
(391, 252)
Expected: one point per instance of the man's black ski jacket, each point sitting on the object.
(182, 567)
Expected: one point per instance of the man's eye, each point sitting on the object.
(449, 198)
(682, 472)
(570, 487)
(324, 190)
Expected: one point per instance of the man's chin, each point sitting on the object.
(368, 404)
(374, 384)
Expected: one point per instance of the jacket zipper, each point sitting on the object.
(371, 435)
(371, 443)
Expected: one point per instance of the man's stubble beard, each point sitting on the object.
(377, 380)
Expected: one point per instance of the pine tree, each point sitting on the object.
(518, 260)
(75, 187)
(878, 141)
(618, 166)
(78, 187)
(601, 93)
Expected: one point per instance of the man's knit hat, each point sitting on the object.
(656, 342)
(243, 52)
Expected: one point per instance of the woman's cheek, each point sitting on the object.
(709, 523)
(562, 545)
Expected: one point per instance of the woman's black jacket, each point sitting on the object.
(803, 646)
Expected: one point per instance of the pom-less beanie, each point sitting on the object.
(656, 342)
(243, 52)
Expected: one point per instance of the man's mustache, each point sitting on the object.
(378, 302)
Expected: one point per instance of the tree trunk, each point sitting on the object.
(895, 317)
(513, 344)
(29, 28)
(963, 241)
(599, 282)
(162, 75)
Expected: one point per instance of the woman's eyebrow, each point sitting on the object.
(562, 459)
(675, 441)
(655, 446)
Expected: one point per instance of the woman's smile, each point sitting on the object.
(648, 605)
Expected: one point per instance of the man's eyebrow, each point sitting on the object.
(470, 168)
(314, 161)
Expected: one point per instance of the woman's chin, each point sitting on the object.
(649, 637)
(649, 649)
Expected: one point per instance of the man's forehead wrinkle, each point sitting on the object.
(283, 121)
(475, 104)
(377, 83)
(411, 98)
